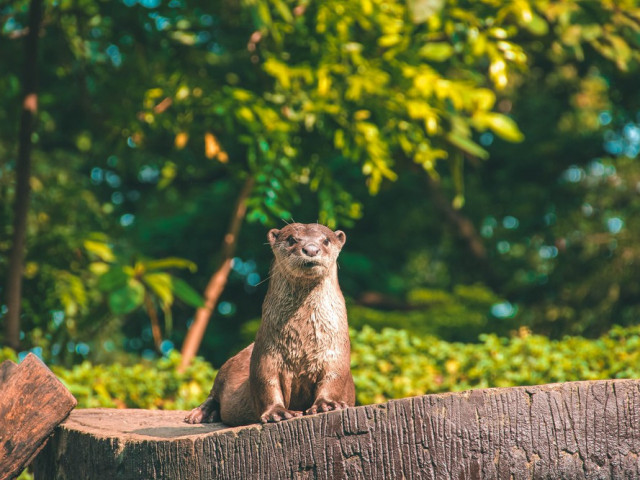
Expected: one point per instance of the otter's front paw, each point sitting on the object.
(198, 415)
(277, 413)
(322, 405)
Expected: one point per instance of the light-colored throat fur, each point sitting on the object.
(304, 321)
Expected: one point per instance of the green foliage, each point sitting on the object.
(395, 364)
(7, 353)
(151, 114)
(144, 384)
(460, 315)
(136, 383)
(127, 285)
(385, 365)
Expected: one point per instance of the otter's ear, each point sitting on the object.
(272, 236)
(341, 237)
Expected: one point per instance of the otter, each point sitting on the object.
(300, 359)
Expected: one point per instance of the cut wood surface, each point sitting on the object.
(32, 403)
(568, 430)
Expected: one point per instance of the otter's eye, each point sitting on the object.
(326, 241)
(292, 241)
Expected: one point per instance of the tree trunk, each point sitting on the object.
(23, 174)
(579, 430)
(218, 280)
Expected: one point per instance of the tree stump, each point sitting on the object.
(569, 430)
(32, 403)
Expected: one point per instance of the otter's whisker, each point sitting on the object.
(262, 281)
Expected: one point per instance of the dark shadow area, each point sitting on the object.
(185, 431)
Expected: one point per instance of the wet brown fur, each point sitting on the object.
(300, 360)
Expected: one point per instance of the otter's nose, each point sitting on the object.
(310, 250)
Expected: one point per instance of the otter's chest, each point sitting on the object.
(310, 340)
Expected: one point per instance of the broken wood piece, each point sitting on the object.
(32, 404)
(6, 368)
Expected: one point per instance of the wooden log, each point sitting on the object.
(32, 403)
(6, 368)
(569, 430)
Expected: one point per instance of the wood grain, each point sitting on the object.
(32, 403)
(579, 430)
(6, 368)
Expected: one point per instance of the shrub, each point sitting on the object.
(145, 384)
(395, 364)
(386, 364)
(148, 384)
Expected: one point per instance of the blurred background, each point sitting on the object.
(481, 156)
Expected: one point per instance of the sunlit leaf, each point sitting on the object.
(283, 10)
(160, 284)
(98, 268)
(181, 140)
(185, 38)
(389, 40)
(438, 52)
(168, 173)
(169, 262)
(422, 10)
(211, 145)
(100, 249)
(537, 25)
(467, 145)
(502, 125)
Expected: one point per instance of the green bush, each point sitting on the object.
(145, 384)
(387, 364)
(153, 385)
(395, 364)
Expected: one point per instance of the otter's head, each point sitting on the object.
(306, 250)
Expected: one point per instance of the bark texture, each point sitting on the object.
(571, 430)
(32, 403)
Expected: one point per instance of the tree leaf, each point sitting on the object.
(113, 279)
(127, 298)
(537, 25)
(181, 140)
(169, 262)
(437, 52)
(186, 38)
(184, 292)
(100, 249)
(389, 40)
(161, 285)
(503, 126)
(467, 145)
(211, 145)
(422, 10)
(283, 10)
